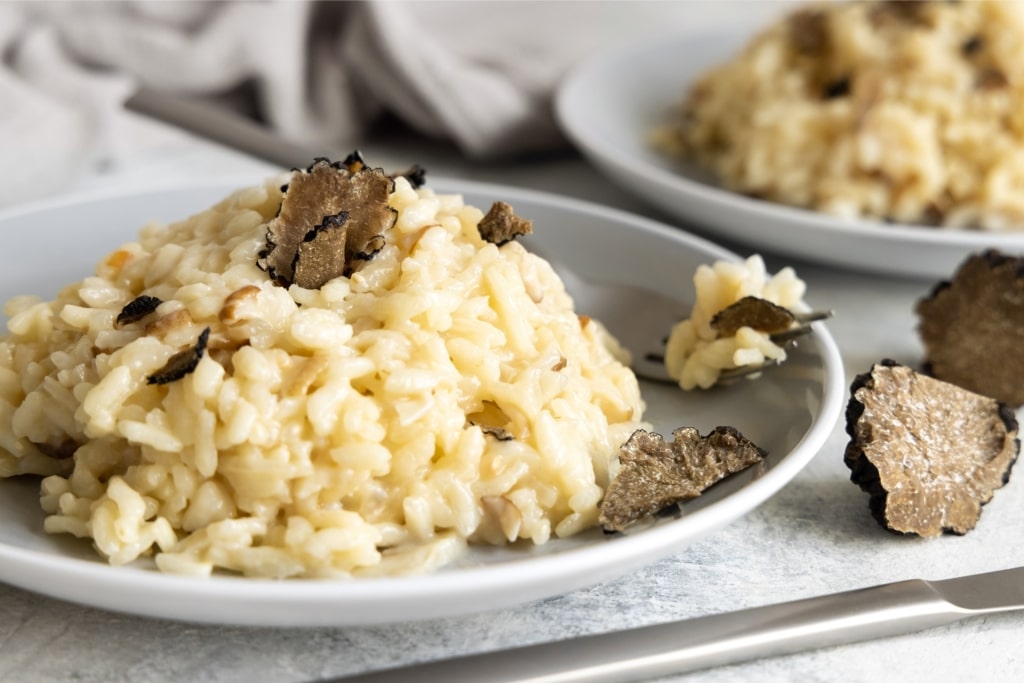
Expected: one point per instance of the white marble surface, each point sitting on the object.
(814, 537)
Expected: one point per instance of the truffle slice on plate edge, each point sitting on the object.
(929, 453)
(654, 474)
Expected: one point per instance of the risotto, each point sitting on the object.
(444, 393)
(897, 111)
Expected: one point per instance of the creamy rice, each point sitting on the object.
(695, 355)
(909, 112)
(349, 430)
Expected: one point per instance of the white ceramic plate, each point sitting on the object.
(790, 411)
(608, 107)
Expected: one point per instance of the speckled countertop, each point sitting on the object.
(814, 537)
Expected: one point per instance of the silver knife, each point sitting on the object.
(704, 642)
(220, 125)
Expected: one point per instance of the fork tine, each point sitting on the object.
(783, 339)
(745, 370)
(811, 316)
(780, 338)
(786, 336)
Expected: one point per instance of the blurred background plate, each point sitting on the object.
(609, 105)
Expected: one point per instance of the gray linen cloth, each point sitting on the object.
(480, 74)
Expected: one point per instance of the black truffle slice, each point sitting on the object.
(354, 162)
(972, 327)
(972, 46)
(415, 174)
(808, 32)
(900, 12)
(840, 87)
(654, 475)
(313, 203)
(181, 363)
(137, 309)
(317, 256)
(929, 453)
(501, 225)
(751, 311)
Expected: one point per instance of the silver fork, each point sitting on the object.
(640, 319)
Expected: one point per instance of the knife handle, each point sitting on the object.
(698, 643)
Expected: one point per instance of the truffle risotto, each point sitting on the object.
(900, 111)
(443, 393)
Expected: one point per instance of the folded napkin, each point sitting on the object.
(481, 74)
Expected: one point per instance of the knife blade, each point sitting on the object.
(220, 126)
(727, 638)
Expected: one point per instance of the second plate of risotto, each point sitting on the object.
(876, 136)
(203, 421)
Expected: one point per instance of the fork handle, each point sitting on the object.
(699, 643)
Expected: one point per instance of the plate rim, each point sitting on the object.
(37, 567)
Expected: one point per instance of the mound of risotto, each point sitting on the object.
(344, 375)
(910, 112)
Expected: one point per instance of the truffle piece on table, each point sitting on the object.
(972, 327)
(928, 452)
